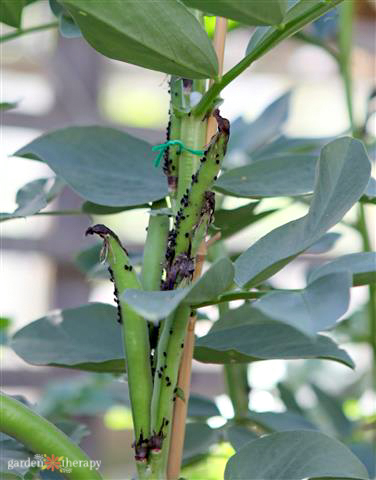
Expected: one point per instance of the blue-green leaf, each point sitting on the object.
(282, 175)
(362, 266)
(246, 335)
(315, 308)
(338, 186)
(295, 455)
(103, 165)
(156, 305)
(34, 196)
(86, 338)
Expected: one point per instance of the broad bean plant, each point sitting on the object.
(184, 183)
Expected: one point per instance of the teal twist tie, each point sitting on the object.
(162, 147)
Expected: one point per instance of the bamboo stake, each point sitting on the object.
(184, 379)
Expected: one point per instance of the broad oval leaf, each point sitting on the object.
(338, 186)
(283, 175)
(362, 266)
(103, 165)
(162, 35)
(312, 309)
(251, 12)
(86, 338)
(296, 455)
(155, 305)
(245, 335)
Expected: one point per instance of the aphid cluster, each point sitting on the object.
(197, 205)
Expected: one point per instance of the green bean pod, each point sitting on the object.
(42, 437)
(135, 338)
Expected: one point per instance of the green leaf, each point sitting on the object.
(11, 11)
(283, 175)
(239, 436)
(202, 407)
(4, 106)
(332, 408)
(251, 12)
(246, 335)
(156, 305)
(162, 36)
(232, 221)
(362, 266)
(199, 437)
(313, 309)
(296, 455)
(281, 421)
(103, 165)
(34, 196)
(299, 14)
(86, 338)
(338, 186)
(5, 323)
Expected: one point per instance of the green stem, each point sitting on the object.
(279, 34)
(170, 350)
(155, 248)
(235, 375)
(229, 297)
(344, 59)
(24, 31)
(238, 388)
(371, 306)
(41, 436)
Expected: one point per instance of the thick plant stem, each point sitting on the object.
(155, 248)
(170, 349)
(41, 436)
(136, 341)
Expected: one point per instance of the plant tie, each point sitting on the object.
(162, 147)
